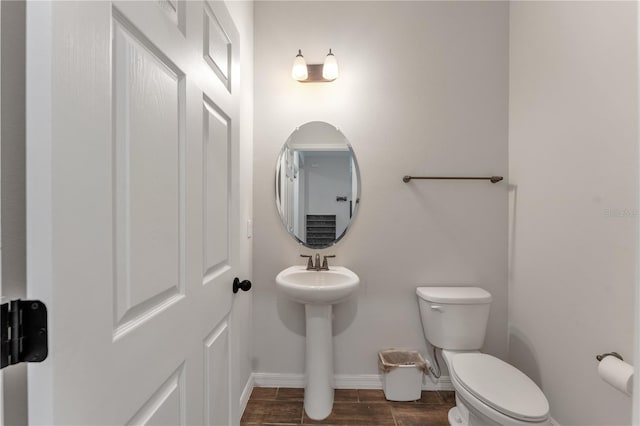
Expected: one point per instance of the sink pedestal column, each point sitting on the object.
(318, 390)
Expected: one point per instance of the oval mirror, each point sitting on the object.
(317, 184)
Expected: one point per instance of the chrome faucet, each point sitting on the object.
(315, 266)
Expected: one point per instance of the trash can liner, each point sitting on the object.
(393, 358)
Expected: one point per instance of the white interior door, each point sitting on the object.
(132, 240)
(1, 372)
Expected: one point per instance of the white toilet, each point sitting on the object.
(488, 391)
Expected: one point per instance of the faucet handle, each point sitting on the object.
(309, 262)
(325, 264)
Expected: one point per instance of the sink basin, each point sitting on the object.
(318, 291)
(317, 287)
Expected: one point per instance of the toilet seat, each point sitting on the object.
(500, 386)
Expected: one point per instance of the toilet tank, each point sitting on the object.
(454, 318)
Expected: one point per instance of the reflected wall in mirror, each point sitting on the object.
(317, 184)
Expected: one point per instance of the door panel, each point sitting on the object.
(217, 47)
(216, 367)
(166, 405)
(175, 11)
(132, 161)
(216, 142)
(148, 102)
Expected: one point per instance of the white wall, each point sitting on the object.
(241, 314)
(422, 90)
(573, 166)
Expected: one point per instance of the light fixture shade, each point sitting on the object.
(330, 67)
(299, 71)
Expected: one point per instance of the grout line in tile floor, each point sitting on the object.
(393, 416)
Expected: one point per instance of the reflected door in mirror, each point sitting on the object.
(317, 185)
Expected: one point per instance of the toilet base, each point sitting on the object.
(461, 415)
(454, 417)
(466, 417)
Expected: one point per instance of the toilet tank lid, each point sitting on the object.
(454, 295)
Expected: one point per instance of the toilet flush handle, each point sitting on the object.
(437, 308)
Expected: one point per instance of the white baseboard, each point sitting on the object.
(342, 381)
(554, 422)
(357, 381)
(443, 384)
(278, 380)
(246, 393)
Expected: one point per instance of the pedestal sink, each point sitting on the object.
(318, 291)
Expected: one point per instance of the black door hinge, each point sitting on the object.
(23, 333)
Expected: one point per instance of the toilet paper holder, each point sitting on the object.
(614, 354)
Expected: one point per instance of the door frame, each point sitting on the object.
(13, 388)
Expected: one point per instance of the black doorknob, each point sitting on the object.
(241, 285)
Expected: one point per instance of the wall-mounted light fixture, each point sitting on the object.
(314, 73)
(299, 71)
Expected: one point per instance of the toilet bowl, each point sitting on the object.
(488, 390)
(491, 392)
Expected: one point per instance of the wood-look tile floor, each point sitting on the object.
(354, 407)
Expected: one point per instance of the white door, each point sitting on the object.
(132, 166)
